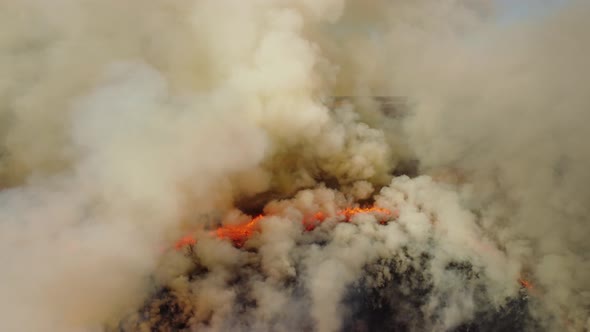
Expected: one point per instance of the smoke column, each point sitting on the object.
(122, 123)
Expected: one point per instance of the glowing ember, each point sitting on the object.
(525, 283)
(348, 213)
(240, 233)
(187, 240)
(311, 222)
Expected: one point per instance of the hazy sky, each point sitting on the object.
(519, 9)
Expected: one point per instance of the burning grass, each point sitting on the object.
(238, 234)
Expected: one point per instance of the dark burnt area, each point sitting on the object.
(373, 303)
(169, 306)
(463, 268)
(163, 312)
(397, 305)
(391, 305)
(514, 316)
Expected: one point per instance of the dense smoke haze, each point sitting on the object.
(126, 125)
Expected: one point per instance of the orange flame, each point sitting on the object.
(311, 222)
(525, 283)
(187, 240)
(240, 233)
(348, 213)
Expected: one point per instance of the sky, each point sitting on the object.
(515, 10)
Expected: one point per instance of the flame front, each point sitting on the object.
(348, 213)
(187, 240)
(240, 233)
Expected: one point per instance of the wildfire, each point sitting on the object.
(240, 233)
(186, 240)
(525, 283)
(311, 222)
(348, 213)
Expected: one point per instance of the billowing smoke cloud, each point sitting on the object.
(299, 279)
(507, 106)
(122, 122)
(118, 130)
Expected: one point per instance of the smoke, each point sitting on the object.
(123, 122)
(286, 278)
(507, 106)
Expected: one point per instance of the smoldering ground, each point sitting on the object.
(122, 122)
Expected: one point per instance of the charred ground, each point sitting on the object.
(388, 297)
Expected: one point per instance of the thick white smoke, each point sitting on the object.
(119, 127)
(297, 283)
(122, 121)
(507, 105)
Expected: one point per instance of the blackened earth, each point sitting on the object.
(390, 296)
